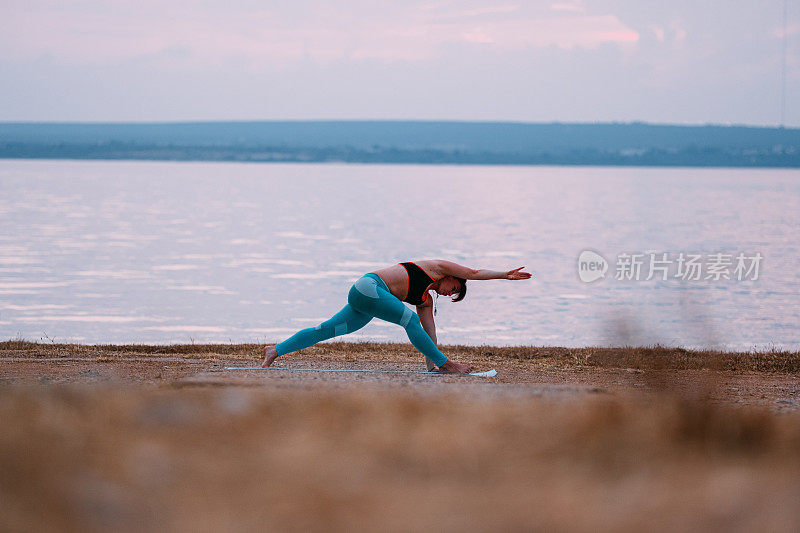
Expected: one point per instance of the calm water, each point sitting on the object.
(113, 252)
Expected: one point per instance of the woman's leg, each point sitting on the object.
(345, 321)
(370, 297)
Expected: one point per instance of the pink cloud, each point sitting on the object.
(576, 8)
(152, 31)
(619, 36)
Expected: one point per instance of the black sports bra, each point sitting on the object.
(418, 281)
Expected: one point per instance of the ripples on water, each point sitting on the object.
(113, 252)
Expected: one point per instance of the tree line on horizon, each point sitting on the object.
(408, 142)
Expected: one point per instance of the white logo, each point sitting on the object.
(591, 266)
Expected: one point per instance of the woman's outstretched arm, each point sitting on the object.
(448, 268)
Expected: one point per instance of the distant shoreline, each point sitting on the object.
(438, 161)
(399, 142)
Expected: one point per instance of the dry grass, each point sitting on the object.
(642, 358)
(151, 449)
(239, 459)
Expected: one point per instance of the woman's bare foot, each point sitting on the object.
(270, 353)
(451, 367)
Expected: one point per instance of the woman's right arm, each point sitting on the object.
(448, 268)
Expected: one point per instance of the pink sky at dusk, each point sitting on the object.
(571, 61)
(118, 31)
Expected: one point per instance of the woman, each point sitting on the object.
(381, 293)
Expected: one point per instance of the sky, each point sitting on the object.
(678, 61)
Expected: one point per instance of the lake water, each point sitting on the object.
(158, 252)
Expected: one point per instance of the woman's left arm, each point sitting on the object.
(448, 268)
(425, 312)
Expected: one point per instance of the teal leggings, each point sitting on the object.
(369, 297)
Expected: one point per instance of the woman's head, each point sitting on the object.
(450, 285)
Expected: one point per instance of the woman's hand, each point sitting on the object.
(517, 274)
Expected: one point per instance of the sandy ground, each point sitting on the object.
(148, 437)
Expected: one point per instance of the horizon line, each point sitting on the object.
(402, 121)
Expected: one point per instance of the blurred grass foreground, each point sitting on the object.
(161, 437)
